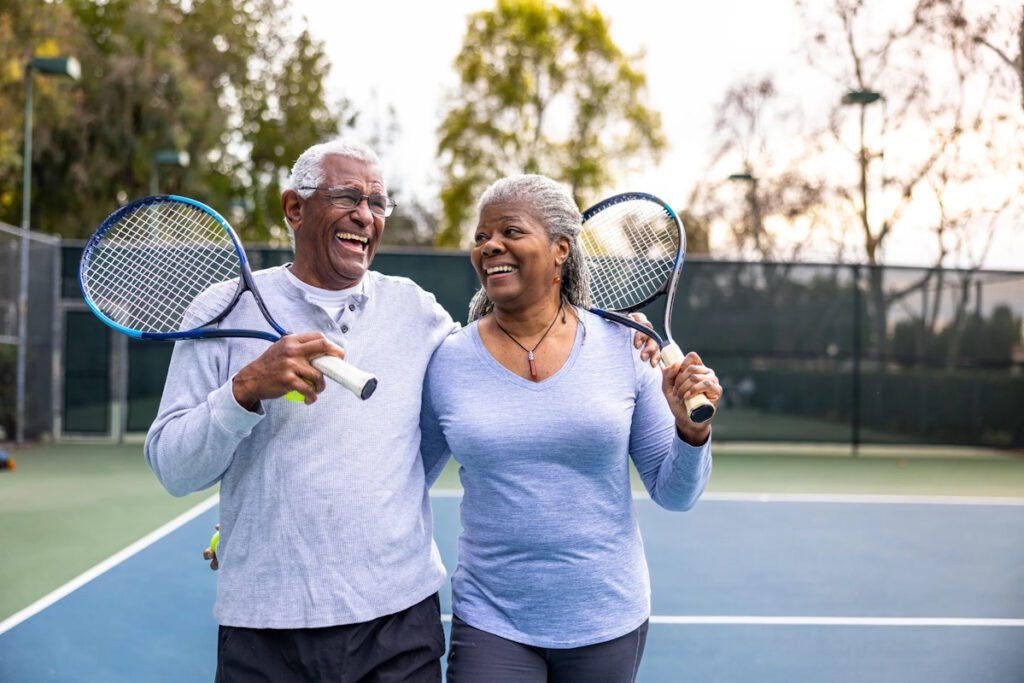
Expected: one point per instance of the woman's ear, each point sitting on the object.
(562, 249)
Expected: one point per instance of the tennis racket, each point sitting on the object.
(633, 245)
(157, 259)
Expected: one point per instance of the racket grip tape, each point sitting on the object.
(699, 408)
(360, 383)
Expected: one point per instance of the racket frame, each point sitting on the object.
(203, 331)
(359, 382)
(700, 408)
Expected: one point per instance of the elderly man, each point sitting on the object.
(328, 569)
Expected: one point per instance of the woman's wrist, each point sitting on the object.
(693, 434)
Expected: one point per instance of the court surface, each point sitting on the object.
(746, 587)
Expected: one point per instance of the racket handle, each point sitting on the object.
(360, 383)
(699, 408)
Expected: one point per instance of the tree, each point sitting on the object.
(228, 82)
(753, 182)
(994, 36)
(924, 133)
(543, 89)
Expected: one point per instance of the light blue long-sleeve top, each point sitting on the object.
(325, 518)
(550, 553)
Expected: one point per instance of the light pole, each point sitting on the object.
(165, 157)
(47, 66)
(862, 98)
(755, 205)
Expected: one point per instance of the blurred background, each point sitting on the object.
(850, 174)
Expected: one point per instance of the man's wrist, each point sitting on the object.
(242, 397)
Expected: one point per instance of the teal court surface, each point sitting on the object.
(747, 586)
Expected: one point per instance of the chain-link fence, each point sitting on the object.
(807, 352)
(43, 278)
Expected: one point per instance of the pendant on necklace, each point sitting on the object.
(533, 366)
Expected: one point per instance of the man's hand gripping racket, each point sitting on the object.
(634, 247)
(167, 268)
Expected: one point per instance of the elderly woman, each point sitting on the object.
(543, 404)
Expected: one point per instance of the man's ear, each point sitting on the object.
(291, 206)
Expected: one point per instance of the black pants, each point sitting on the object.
(476, 656)
(405, 646)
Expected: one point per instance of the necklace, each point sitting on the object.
(529, 352)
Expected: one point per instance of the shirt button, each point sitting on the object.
(351, 307)
(344, 328)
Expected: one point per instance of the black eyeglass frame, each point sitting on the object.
(333, 198)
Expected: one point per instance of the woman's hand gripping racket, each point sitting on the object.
(634, 246)
(156, 259)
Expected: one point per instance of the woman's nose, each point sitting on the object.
(493, 246)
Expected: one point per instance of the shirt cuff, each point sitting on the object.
(689, 457)
(232, 417)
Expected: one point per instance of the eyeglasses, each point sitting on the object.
(349, 198)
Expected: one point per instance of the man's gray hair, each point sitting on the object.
(551, 203)
(308, 170)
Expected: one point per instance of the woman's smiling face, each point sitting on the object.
(514, 256)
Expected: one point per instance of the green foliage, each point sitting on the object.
(228, 82)
(543, 89)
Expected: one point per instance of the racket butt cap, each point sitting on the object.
(700, 409)
(368, 388)
(702, 414)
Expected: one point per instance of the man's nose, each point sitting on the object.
(362, 211)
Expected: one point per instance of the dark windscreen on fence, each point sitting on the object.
(807, 352)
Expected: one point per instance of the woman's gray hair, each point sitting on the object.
(552, 204)
(308, 170)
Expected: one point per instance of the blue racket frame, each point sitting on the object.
(245, 282)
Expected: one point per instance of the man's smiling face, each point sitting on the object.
(334, 246)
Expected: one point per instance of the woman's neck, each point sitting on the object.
(527, 321)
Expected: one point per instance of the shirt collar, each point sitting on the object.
(360, 294)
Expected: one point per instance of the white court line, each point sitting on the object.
(836, 621)
(199, 509)
(857, 498)
(107, 564)
(704, 620)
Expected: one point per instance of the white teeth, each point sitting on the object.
(501, 269)
(350, 236)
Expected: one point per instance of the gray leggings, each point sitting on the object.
(476, 656)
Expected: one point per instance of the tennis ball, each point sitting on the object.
(214, 541)
(295, 396)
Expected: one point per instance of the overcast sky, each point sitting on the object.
(401, 53)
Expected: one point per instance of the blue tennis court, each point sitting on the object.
(745, 588)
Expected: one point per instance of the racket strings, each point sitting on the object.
(146, 277)
(149, 267)
(630, 249)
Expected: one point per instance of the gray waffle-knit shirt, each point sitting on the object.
(325, 518)
(550, 553)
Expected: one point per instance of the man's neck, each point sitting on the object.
(310, 277)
